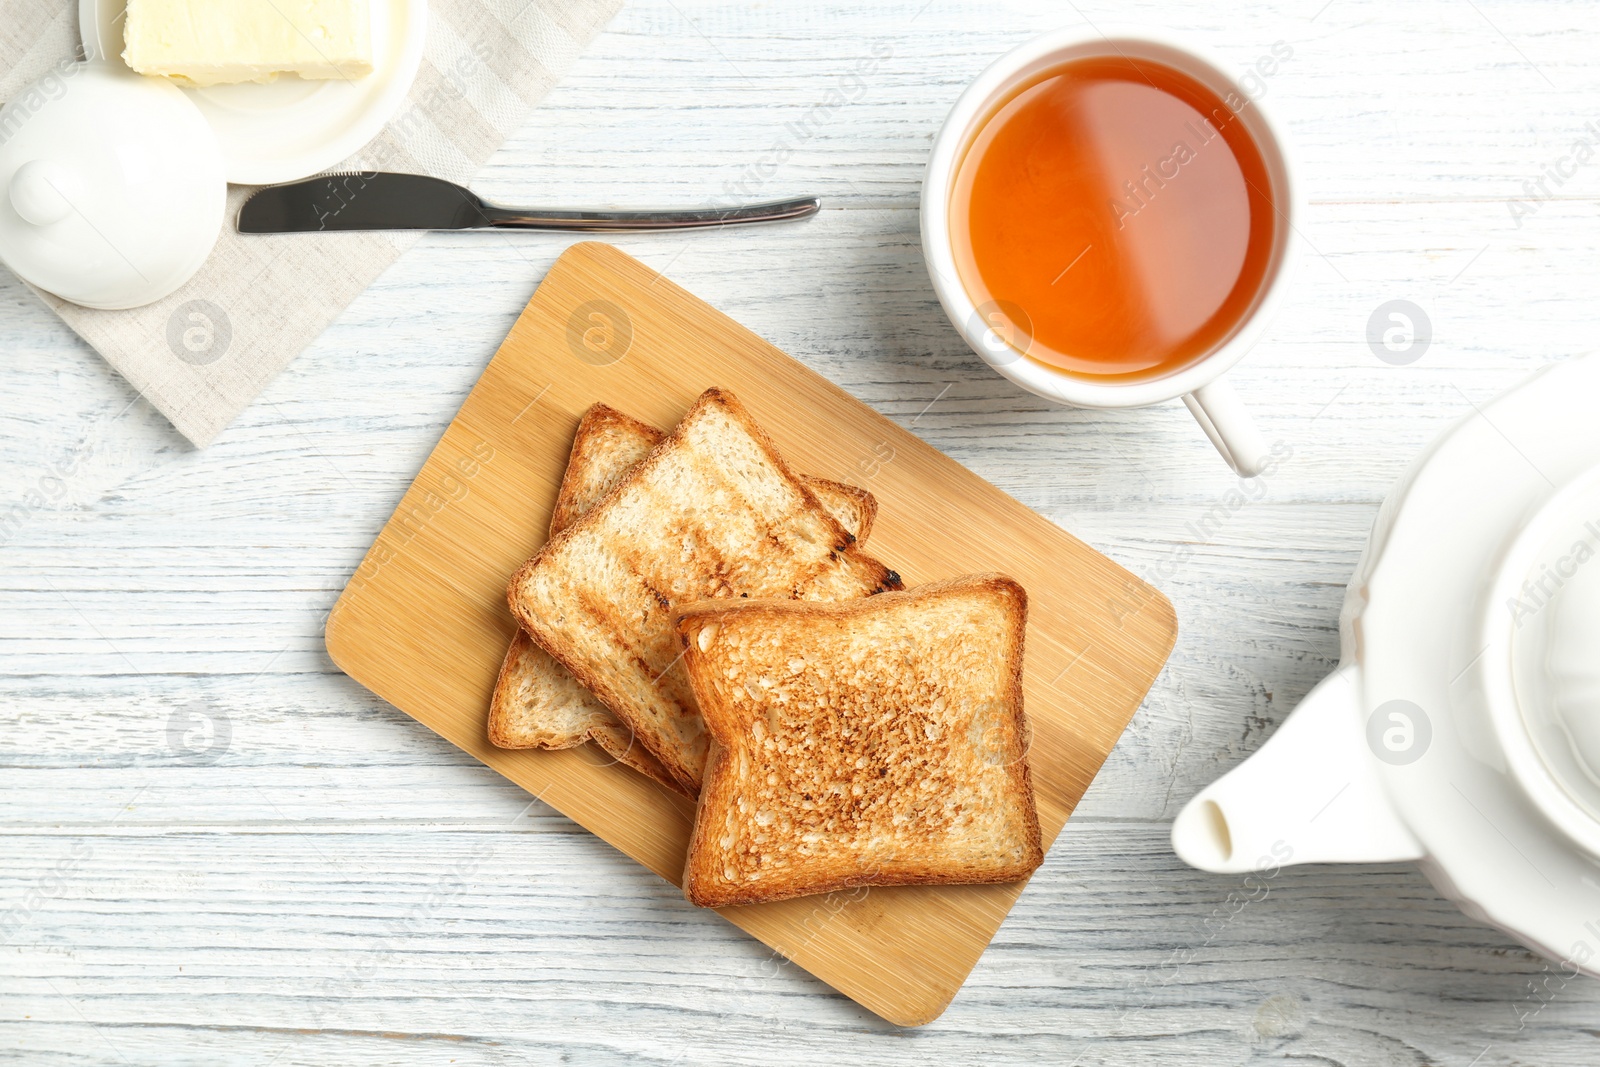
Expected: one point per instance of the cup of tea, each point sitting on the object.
(1109, 220)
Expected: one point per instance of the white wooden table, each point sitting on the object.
(226, 851)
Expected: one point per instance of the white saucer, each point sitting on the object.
(292, 129)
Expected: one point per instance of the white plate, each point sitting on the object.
(291, 129)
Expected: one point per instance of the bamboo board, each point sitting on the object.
(424, 624)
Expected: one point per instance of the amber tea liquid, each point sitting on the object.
(1117, 216)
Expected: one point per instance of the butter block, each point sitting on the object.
(216, 42)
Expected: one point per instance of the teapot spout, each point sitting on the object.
(1310, 795)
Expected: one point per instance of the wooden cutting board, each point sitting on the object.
(424, 624)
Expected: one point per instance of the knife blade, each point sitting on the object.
(386, 201)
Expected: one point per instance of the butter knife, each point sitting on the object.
(383, 201)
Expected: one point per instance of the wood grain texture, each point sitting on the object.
(424, 623)
(283, 890)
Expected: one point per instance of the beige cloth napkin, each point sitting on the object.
(205, 352)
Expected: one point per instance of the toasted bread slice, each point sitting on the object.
(536, 702)
(713, 511)
(868, 742)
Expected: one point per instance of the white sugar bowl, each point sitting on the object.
(111, 186)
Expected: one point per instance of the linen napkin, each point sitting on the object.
(204, 353)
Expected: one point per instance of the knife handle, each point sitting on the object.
(619, 221)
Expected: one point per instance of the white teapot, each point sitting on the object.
(1461, 730)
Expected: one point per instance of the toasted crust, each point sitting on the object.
(861, 743)
(712, 511)
(618, 742)
(608, 443)
(854, 507)
(536, 702)
(606, 446)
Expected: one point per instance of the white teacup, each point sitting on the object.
(1214, 403)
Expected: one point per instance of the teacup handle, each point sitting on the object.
(1220, 413)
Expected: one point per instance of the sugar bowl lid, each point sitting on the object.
(111, 186)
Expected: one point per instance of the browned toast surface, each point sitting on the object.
(536, 701)
(711, 512)
(872, 742)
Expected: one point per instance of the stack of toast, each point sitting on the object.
(710, 619)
